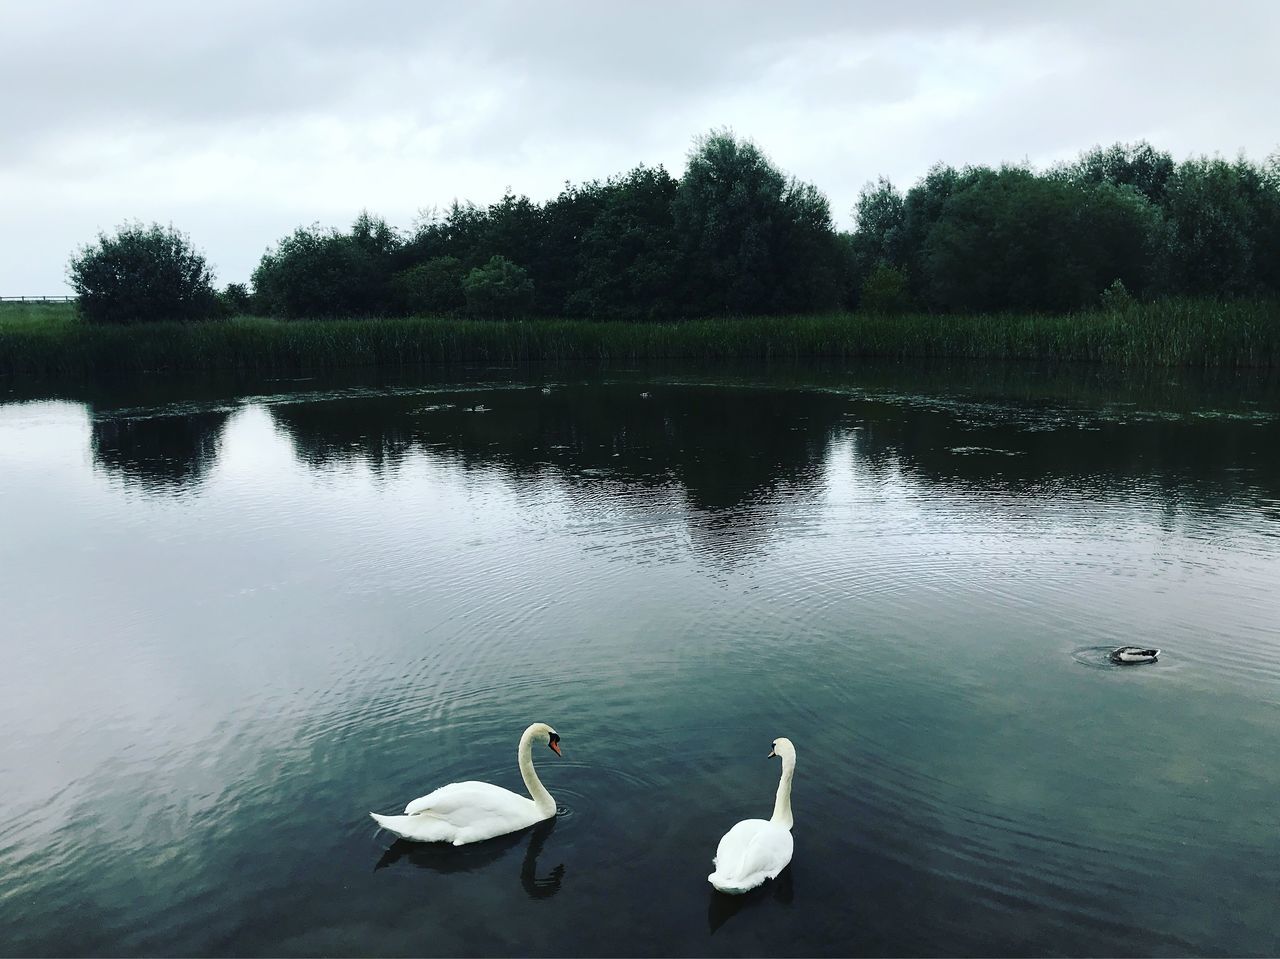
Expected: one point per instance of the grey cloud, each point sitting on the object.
(268, 114)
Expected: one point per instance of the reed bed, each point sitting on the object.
(1237, 333)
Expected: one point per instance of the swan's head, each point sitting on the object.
(784, 749)
(542, 733)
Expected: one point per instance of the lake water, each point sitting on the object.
(237, 617)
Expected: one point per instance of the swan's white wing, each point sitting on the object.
(751, 852)
(470, 804)
(771, 850)
(463, 812)
(734, 844)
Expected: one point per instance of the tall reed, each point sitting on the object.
(1237, 333)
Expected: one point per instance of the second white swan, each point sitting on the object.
(467, 812)
(757, 849)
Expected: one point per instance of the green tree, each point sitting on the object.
(885, 290)
(316, 272)
(431, 287)
(922, 208)
(513, 230)
(877, 238)
(565, 221)
(142, 274)
(626, 256)
(1008, 239)
(235, 299)
(750, 240)
(499, 288)
(1116, 297)
(808, 262)
(1138, 165)
(460, 232)
(1267, 237)
(1214, 225)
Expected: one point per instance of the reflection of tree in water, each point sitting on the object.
(442, 857)
(734, 456)
(740, 461)
(725, 447)
(373, 431)
(158, 453)
(1203, 462)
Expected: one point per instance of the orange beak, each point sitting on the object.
(556, 747)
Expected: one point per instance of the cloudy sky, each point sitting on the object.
(237, 121)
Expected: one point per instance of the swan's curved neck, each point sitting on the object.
(782, 805)
(537, 791)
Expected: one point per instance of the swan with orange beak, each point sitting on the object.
(468, 812)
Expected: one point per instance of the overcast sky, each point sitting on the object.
(237, 121)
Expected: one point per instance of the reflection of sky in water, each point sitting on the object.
(230, 632)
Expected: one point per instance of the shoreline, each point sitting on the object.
(1167, 333)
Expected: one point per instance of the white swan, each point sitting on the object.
(755, 850)
(461, 813)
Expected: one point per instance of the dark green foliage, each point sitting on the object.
(1138, 165)
(735, 235)
(1266, 253)
(880, 214)
(431, 287)
(514, 229)
(498, 289)
(1214, 227)
(1011, 240)
(750, 240)
(627, 255)
(142, 274)
(1116, 296)
(315, 272)
(922, 209)
(565, 222)
(236, 299)
(885, 290)
(459, 232)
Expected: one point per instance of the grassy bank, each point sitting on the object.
(1168, 333)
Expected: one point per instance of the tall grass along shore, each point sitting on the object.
(50, 341)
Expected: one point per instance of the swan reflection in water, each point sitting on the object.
(442, 857)
(724, 907)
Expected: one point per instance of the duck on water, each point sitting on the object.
(1132, 655)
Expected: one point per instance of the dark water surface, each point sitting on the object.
(236, 618)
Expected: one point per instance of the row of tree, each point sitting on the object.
(735, 235)
(1126, 218)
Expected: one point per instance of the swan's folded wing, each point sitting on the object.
(754, 847)
(771, 850)
(469, 802)
(734, 846)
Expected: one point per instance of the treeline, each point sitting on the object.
(1122, 221)
(734, 235)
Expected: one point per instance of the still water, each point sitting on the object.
(237, 617)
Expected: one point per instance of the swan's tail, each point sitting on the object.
(410, 827)
(733, 885)
(419, 828)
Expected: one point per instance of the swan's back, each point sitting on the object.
(462, 813)
(751, 852)
(463, 802)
